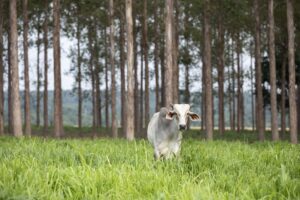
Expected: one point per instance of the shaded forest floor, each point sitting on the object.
(248, 136)
(232, 167)
(87, 132)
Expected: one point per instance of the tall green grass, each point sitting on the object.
(37, 168)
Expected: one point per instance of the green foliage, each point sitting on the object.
(35, 168)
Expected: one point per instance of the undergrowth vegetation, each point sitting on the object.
(39, 168)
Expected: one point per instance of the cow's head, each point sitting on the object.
(181, 113)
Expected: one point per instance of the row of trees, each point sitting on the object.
(174, 36)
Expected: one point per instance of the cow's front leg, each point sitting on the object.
(177, 145)
(157, 154)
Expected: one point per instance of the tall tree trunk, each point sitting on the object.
(298, 108)
(122, 67)
(233, 88)
(242, 95)
(1, 71)
(26, 70)
(258, 75)
(107, 98)
(97, 79)
(46, 67)
(156, 57)
(79, 90)
(147, 106)
(187, 94)
(141, 103)
(92, 74)
(162, 68)
(130, 81)
(252, 92)
(271, 35)
(291, 59)
(283, 96)
(97, 94)
(9, 88)
(239, 84)
(175, 21)
(168, 78)
(203, 105)
(208, 73)
(230, 99)
(58, 118)
(136, 83)
(38, 74)
(112, 63)
(221, 75)
(15, 98)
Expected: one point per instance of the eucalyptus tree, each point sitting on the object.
(208, 71)
(46, 66)
(58, 118)
(168, 74)
(1, 69)
(13, 57)
(112, 63)
(258, 73)
(291, 63)
(26, 69)
(271, 37)
(130, 79)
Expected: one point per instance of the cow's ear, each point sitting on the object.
(170, 115)
(194, 116)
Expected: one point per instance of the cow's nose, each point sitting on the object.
(181, 127)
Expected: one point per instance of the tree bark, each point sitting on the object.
(292, 81)
(258, 75)
(175, 21)
(38, 82)
(107, 98)
(58, 118)
(15, 98)
(26, 70)
(92, 74)
(168, 78)
(122, 67)
(9, 88)
(141, 103)
(136, 83)
(208, 73)
(46, 67)
(252, 91)
(156, 57)
(1, 71)
(221, 75)
(130, 81)
(283, 96)
(233, 89)
(239, 85)
(97, 79)
(162, 64)
(38, 74)
(112, 63)
(147, 106)
(271, 35)
(229, 92)
(79, 90)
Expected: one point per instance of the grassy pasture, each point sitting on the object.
(39, 168)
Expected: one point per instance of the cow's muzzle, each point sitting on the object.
(182, 127)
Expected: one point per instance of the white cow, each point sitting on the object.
(165, 129)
